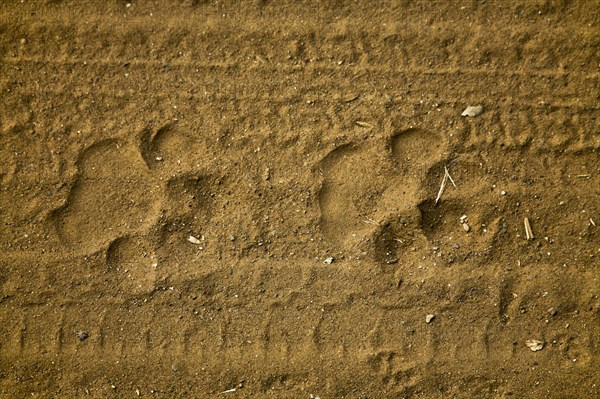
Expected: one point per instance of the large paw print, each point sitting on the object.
(130, 199)
(380, 197)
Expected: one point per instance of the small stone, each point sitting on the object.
(455, 246)
(466, 227)
(23, 41)
(429, 318)
(232, 238)
(193, 240)
(159, 158)
(328, 261)
(552, 311)
(350, 97)
(473, 111)
(83, 335)
(535, 345)
(503, 193)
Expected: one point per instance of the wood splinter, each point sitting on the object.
(528, 231)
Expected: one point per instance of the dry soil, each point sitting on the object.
(302, 146)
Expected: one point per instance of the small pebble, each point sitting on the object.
(503, 193)
(552, 311)
(466, 227)
(535, 345)
(159, 158)
(83, 335)
(193, 240)
(455, 246)
(429, 318)
(473, 111)
(328, 261)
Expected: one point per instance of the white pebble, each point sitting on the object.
(535, 344)
(193, 240)
(473, 111)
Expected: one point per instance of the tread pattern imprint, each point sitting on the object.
(203, 199)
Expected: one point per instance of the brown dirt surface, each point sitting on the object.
(278, 135)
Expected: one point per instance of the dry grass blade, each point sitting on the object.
(371, 221)
(443, 185)
(449, 177)
(364, 124)
(528, 231)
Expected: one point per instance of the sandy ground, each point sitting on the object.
(205, 197)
